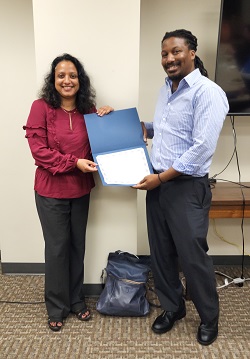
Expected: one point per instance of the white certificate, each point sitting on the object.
(127, 167)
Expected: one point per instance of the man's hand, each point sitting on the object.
(104, 110)
(86, 165)
(149, 182)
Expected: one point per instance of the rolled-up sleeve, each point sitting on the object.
(150, 129)
(209, 114)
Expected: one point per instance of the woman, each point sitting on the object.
(59, 143)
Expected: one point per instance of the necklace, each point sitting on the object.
(71, 112)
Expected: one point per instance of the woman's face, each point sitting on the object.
(66, 79)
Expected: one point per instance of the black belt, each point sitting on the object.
(182, 176)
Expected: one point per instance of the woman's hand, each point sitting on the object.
(86, 165)
(145, 133)
(149, 182)
(104, 110)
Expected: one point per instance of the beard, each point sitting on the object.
(174, 77)
(177, 77)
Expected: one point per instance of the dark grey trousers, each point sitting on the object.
(178, 218)
(63, 224)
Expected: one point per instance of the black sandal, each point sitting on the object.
(83, 314)
(57, 327)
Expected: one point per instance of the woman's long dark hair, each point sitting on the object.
(191, 42)
(85, 97)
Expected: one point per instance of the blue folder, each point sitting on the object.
(118, 131)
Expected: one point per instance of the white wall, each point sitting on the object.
(120, 48)
(20, 232)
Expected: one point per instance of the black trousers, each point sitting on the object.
(177, 219)
(64, 224)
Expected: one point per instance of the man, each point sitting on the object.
(188, 119)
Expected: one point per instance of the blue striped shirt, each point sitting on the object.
(187, 125)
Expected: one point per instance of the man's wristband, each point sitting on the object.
(160, 178)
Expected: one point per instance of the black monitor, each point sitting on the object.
(233, 55)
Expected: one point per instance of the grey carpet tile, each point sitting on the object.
(24, 333)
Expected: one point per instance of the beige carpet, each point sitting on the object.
(24, 333)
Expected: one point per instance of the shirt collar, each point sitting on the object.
(190, 79)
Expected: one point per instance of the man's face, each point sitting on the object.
(177, 60)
